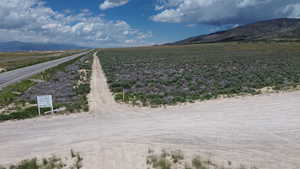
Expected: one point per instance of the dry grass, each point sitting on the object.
(176, 160)
(15, 60)
(54, 162)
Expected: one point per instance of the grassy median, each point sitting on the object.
(68, 83)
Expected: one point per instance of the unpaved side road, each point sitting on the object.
(101, 100)
(262, 131)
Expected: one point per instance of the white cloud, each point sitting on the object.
(252, 3)
(33, 21)
(159, 7)
(219, 12)
(112, 4)
(191, 25)
(293, 10)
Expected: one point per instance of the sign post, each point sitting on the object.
(44, 102)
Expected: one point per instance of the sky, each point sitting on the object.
(122, 23)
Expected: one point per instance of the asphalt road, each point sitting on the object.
(17, 75)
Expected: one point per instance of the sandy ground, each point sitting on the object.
(262, 131)
(101, 100)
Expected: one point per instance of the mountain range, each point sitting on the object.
(283, 29)
(14, 46)
(271, 30)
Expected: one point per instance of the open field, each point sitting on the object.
(173, 74)
(14, 60)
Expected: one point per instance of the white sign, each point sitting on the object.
(45, 102)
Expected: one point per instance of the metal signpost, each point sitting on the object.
(44, 102)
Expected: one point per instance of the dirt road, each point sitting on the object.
(101, 100)
(262, 131)
(14, 76)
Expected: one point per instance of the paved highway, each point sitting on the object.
(17, 75)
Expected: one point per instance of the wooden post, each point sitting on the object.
(52, 110)
(123, 95)
(39, 111)
(37, 102)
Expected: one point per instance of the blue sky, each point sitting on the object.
(115, 23)
(137, 13)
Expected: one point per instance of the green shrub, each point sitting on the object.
(27, 164)
(198, 163)
(21, 114)
(177, 156)
(200, 72)
(49, 163)
(10, 93)
(164, 164)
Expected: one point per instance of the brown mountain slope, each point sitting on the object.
(271, 30)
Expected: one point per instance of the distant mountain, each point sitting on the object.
(14, 46)
(271, 30)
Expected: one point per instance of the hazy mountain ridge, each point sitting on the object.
(271, 30)
(14, 46)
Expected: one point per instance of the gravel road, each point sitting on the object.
(14, 76)
(262, 131)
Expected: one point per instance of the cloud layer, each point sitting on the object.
(220, 12)
(32, 20)
(112, 4)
